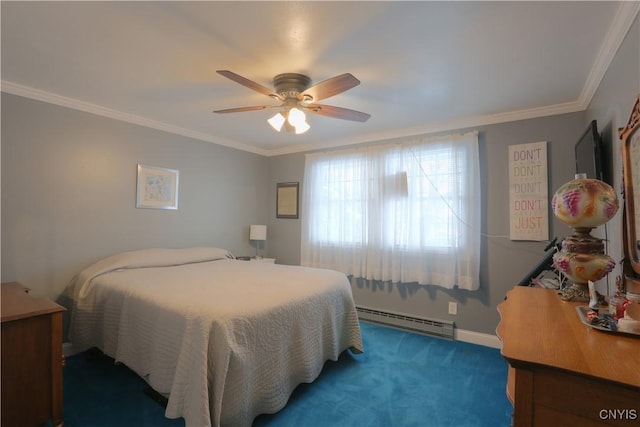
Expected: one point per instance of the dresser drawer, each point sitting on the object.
(588, 401)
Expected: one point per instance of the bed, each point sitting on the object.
(225, 340)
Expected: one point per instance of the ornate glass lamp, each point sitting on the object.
(583, 204)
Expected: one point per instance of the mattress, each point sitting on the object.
(225, 340)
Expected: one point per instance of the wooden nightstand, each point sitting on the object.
(32, 359)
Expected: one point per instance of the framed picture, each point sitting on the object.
(157, 188)
(287, 200)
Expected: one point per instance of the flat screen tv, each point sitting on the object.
(589, 153)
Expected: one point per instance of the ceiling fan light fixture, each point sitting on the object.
(293, 120)
(298, 120)
(302, 128)
(277, 121)
(296, 117)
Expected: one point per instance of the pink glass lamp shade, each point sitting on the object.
(583, 204)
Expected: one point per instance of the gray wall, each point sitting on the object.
(69, 190)
(504, 262)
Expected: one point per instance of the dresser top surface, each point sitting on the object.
(17, 303)
(537, 327)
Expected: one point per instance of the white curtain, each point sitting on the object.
(405, 213)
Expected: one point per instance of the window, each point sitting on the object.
(405, 213)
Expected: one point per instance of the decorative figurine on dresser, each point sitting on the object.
(32, 359)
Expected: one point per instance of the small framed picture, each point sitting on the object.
(287, 200)
(157, 188)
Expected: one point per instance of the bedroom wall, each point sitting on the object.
(69, 191)
(504, 262)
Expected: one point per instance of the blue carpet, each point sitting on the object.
(402, 380)
(100, 393)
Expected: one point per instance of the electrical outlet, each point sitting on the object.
(453, 307)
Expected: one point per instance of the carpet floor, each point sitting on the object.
(402, 380)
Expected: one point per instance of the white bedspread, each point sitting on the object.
(225, 339)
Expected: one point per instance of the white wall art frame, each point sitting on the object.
(157, 188)
(528, 192)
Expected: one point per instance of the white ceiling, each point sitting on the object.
(424, 66)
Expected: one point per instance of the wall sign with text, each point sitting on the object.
(528, 192)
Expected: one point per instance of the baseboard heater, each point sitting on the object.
(423, 325)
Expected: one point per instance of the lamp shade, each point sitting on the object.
(292, 120)
(585, 202)
(277, 121)
(296, 117)
(258, 232)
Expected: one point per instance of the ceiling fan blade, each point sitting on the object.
(243, 109)
(338, 112)
(331, 87)
(249, 83)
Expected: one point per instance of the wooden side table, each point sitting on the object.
(562, 372)
(32, 359)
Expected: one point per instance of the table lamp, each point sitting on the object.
(258, 233)
(583, 204)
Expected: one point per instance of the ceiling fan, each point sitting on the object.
(296, 96)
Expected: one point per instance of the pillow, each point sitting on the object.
(146, 258)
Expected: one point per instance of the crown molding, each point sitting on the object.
(52, 98)
(448, 126)
(87, 107)
(620, 26)
(619, 29)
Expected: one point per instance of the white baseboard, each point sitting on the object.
(472, 337)
(68, 349)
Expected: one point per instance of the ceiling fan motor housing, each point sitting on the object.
(290, 85)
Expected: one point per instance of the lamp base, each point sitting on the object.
(581, 259)
(577, 292)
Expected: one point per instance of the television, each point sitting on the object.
(589, 154)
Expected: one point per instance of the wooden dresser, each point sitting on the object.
(562, 372)
(32, 359)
